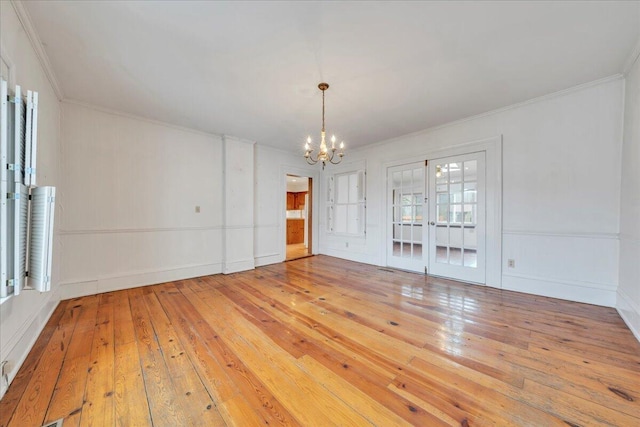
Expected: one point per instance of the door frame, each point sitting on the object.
(314, 180)
(403, 263)
(493, 163)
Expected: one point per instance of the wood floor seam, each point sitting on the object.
(321, 341)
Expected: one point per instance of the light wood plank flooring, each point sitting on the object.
(296, 250)
(321, 341)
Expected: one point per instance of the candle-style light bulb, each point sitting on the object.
(307, 145)
(333, 142)
(342, 145)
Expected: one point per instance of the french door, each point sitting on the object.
(407, 222)
(457, 217)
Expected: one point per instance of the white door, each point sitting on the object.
(457, 217)
(406, 227)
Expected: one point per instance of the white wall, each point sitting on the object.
(128, 198)
(129, 195)
(22, 318)
(560, 195)
(629, 289)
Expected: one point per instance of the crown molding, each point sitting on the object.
(32, 34)
(230, 138)
(632, 58)
(542, 98)
(130, 116)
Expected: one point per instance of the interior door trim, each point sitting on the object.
(492, 147)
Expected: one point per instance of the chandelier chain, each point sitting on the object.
(323, 109)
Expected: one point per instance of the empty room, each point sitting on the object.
(316, 213)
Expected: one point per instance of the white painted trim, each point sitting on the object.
(136, 230)
(232, 138)
(585, 235)
(10, 64)
(632, 58)
(25, 338)
(629, 238)
(542, 98)
(239, 227)
(139, 118)
(493, 167)
(34, 39)
(21, 330)
(133, 279)
(624, 304)
(267, 226)
(590, 293)
(268, 259)
(268, 255)
(316, 190)
(568, 282)
(351, 255)
(229, 267)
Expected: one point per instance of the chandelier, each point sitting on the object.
(324, 155)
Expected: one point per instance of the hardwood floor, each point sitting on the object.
(296, 250)
(321, 341)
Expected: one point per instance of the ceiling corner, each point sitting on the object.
(32, 34)
(632, 58)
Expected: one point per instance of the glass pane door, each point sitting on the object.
(407, 236)
(457, 217)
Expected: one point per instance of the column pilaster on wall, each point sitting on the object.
(238, 201)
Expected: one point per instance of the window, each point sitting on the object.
(26, 211)
(346, 203)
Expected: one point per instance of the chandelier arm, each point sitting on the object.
(310, 159)
(330, 154)
(335, 163)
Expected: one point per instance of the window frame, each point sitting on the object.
(355, 201)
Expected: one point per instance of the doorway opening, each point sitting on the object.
(298, 217)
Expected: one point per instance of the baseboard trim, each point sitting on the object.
(629, 311)
(346, 254)
(108, 284)
(583, 235)
(589, 293)
(230, 267)
(27, 336)
(268, 259)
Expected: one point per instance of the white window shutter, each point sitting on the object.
(41, 237)
(4, 137)
(4, 236)
(362, 177)
(330, 198)
(20, 240)
(19, 115)
(31, 138)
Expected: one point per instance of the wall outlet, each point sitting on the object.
(346, 244)
(511, 263)
(197, 209)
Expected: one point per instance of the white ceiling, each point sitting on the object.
(297, 183)
(251, 69)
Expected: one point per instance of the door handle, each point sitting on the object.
(432, 223)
